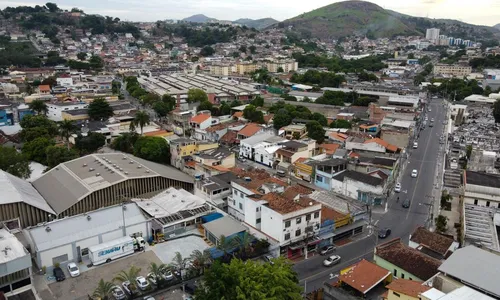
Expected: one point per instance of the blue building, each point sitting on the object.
(22, 111)
(325, 170)
(6, 116)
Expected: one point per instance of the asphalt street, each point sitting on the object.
(402, 221)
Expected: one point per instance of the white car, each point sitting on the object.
(332, 260)
(397, 188)
(126, 287)
(118, 293)
(73, 270)
(152, 278)
(414, 173)
(167, 275)
(142, 283)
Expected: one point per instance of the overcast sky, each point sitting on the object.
(482, 12)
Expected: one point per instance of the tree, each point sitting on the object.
(125, 142)
(320, 118)
(96, 62)
(496, 111)
(411, 56)
(103, 290)
(441, 223)
(66, 128)
(316, 131)
(243, 49)
(157, 271)
(178, 262)
(14, 162)
(341, 124)
(280, 70)
(205, 105)
(51, 80)
(39, 107)
(141, 119)
(162, 109)
(281, 119)
(244, 243)
(89, 143)
(196, 95)
(36, 149)
(252, 49)
(82, 56)
(201, 259)
(152, 148)
(129, 276)
(52, 7)
(258, 101)
(250, 280)
(99, 109)
(226, 245)
(207, 51)
(224, 109)
(235, 54)
(56, 155)
(250, 113)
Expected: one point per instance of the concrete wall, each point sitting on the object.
(399, 139)
(395, 270)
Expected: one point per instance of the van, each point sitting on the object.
(415, 145)
(281, 173)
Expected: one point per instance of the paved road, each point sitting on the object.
(402, 221)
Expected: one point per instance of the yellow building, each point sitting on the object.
(403, 289)
(287, 66)
(303, 169)
(75, 114)
(182, 147)
(220, 70)
(246, 68)
(456, 70)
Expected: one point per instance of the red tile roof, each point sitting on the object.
(238, 114)
(268, 118)
(198, 119)
(328, 213)
(294, 190)
(250, 129)
(44, 88)
(408, 287)
(329, 148)
(363, 276)
(383, 143)
(229, 137)
(432, 240)
(281, 205)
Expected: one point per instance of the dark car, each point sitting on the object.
(383, 233)
(406, 203)
(59, 274)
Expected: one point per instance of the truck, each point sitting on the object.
(139, 243)
(111, 250)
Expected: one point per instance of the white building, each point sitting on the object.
(287, 66)
(482, 189)
(432, 34)
(261, 147)
(68, 239)
(55, 110)
(66, 81)
(360, 186)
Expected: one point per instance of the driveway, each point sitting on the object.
(185, 245)
(86, 283)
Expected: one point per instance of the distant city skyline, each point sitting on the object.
(479, 12)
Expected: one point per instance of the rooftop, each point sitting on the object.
(10, 248)
(200, 118)
(482, 179)
(363, 276)
(408, 259)
(250, 129)
(169, 202)
(475, 267)
(284, 206)
(225, 226)
(358, 176)
(338, 202)
(408, 287)
(383, 143)
(432, 240)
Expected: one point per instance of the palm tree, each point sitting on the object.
(129, 276)
(66, 128)
(141, 119)
(38, 106)
(226, 244)
(244, 242)
(103, 290)
(157, 270)
(178, 262)
(201, 259)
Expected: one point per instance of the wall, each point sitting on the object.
(252, 213)
(46, 256)
(399, 296)
(263, 157)
(372, 147)
(323, 180)
(399, 139)
(483, 195)
(238, 196)
(4, 120)
(351, 188)
(389, 266)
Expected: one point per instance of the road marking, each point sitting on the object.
(329, 270)
(419, 171)
(376, 222)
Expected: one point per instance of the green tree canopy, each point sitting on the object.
(207, 51)
(39, 107)
(14, 162)
(90, 143)
(258, 101)
(340, 124)
(316, 131)
(250, 113)
(81, 55)
(99, 109)
(250, 280)
(125, 142)
(321, 119)
(56, 155)
(36, 149)
(197, 95)
(141, 119)
(152, 148)
(281, 118)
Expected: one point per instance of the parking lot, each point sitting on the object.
(185, 245)
(85, 284)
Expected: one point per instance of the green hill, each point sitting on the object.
(257, 24)
(347, 18)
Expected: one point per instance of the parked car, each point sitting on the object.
(414, 173)
(327, 249)
(126, 287)
(167, 275)
(142, 283)
(432, 120)
(73, 270)
(397, 188)
(384, 232)
(152, 278)
(59, 274)
(118, 293)
(242, 159)
(406, 203)
(332, 260)
(269, 259)
(415, 145)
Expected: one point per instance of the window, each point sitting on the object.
(319, 178)
(241, 206)
(298, 220)
(395, 294)
(316, 215)
(308, 217)
(287, 224)
(257, 209)
(411, 278)
(235, 192)
(297, 232)
(475, 201)
(241, 194)
(402, 276)
(395, 273)
(257, 221)
(287, 236)
(487, 203)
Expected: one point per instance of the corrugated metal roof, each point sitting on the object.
(225, 226)
(15, 190)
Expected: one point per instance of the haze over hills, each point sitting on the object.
(365, 18)
(497, 26)
(199, 18)
(257, 24)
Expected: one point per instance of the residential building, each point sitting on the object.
(432, 34)
(180, 148)
(99, 180)
(215, 189)
(325, 170)
(249, 130)
(370, 145)
(220, 70)
(68, 239)
(222, 227)
(405, 289)
(44, 89)
(245, 68)
(261, 148)
(363, 187)
(15, 267)
(55, 110)
(482, 189)
(6, 116)
(432, 243)
(201, 121)
(405, 262)
(286, 65)
(213, 161)
(65, 80)
(293, 150)
(296, 131)
(455, 70)
(397, 132)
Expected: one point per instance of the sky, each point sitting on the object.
(480, 12)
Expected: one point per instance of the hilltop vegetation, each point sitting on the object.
(257, 24)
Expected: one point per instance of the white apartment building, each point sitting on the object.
(432, 34)
(55, 110)
(453, 70)
(66, 81)
(482, 189)
(261, 147)
(287, 66)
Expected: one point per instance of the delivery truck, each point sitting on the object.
(111, 250)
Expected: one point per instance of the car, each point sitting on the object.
(406, 203)
(415, 145)
(429, 109)
(269, 259)
(58, 274)
(142, 283)
(332, 260)
(148, 298)
(397, 188)
(167, 275)
(118, 293)
(414, 173)
(426, 118)
(384, 232)
(432, 120)
(152, 278)
(327, 249)
(431, 124)
(242, 159)
(126, 287)
(73, 270)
